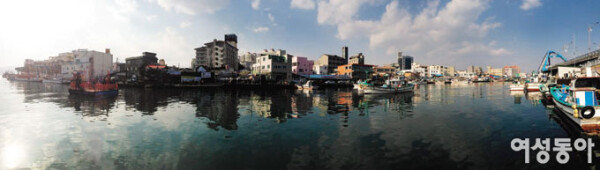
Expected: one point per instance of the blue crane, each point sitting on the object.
(546, 60)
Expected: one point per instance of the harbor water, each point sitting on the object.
(457, 126)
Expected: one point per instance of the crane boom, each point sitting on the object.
(546, 60)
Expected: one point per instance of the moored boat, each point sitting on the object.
(517, 87)
(94, 87)
(309, 85)
(391, 86)
(579, 103)
(531, 87)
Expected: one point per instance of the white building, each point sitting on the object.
(320, 69)
(466, 74)
(435, 70)
(273, 64)
(88, 61)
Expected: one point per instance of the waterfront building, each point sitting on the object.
(355, 71)
(302, 66)
(419, 69)
(404, 62)
(389, 70)
(435, 71)
(274, 65)
(88, 62)
(478, 70)
(218, 55)
(247, 59)
(450, 71)
(331, 62)
(135, 65)
(495, 71)
(321, 70)
(465, 74)
(511, 71)
(357, 59)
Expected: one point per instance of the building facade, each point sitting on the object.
(355, 71)
(247, 59)
(357, 59)
(274, 65)
(404, 62)
(302, 66)
(511, 71)
(218, 54)
(135, 66)
(331, 62)
(435, 71)
(91, 63)
(383, 70)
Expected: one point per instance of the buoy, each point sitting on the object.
(575, 114)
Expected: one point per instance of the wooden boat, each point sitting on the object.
(579, 103)
(93, 87)
(391, 86)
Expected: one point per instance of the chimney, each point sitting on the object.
(107, 51)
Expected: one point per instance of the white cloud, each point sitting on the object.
(445, 34)
(530, 4)
(151, 17)
(303, 4)
(261, 29)
(110, 28)
(192, 7)
(256, 4)
(185, 24)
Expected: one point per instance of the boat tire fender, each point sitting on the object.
(587, 115)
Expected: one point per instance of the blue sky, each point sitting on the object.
(446, 32)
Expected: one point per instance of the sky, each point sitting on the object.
(442, 32)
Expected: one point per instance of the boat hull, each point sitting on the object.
(379, 90)
(586, 125)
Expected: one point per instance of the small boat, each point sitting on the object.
(481, 80)
(579, 103)
(93, 87)
(531, 87)
(517, 87)
(448, 81)
(309, 85)
(390, 86)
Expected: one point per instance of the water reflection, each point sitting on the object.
(437, 126)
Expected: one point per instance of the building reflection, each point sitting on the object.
(517, 95)
(220, 107)
(148, 100)
(273, 104)
(91, 106)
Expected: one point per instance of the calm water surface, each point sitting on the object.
(450, 126)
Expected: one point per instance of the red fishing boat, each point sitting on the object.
(104, 86)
